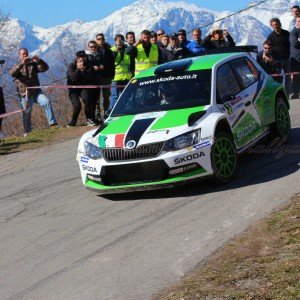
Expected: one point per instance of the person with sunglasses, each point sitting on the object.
(269, 60)
(96, 59)
(108, 72)
(160, 32)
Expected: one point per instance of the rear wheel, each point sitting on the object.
(282, 126)
(223, 157)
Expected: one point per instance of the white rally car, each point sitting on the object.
(181, 121)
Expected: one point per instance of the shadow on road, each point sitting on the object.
(262, 163)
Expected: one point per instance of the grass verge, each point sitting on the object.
(262, 263)
(39, 138)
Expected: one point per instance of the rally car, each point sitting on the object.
(181, 121)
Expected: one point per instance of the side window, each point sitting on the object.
(227, 84)
(245, 70)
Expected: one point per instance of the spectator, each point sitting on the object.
(182, 37)
(145, 54)
(108, 72)
(164, 41)
(269, 60)
(2, 111)
(195, 46)
(130, 40)
(218, 39)
(81, 72)
(122, 67)
(26, 75)
(153, 37)
(96, 60)
(160, 32)
(295, 58)
(174, 50)
(295, 12)
(280, 42)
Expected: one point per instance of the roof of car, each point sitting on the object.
(204, 62)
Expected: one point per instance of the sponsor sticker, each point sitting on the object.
(202, 145)
(84, 159)
(89, 169)
(187, 158)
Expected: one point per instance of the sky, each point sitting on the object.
(48, 13)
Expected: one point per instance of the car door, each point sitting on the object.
(235, 92)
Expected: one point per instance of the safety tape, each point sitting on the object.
(10, 113)
(74, 86)
(284, 74)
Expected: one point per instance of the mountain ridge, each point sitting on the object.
(59, 43)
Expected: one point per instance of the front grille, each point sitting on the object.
(134, 173)
(144, 151)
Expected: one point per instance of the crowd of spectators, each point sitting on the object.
(112, 66)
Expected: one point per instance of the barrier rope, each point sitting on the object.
(99, 86)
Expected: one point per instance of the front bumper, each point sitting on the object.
(164, 171)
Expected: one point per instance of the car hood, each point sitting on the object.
(146, 128)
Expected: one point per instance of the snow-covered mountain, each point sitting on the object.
(58, 44)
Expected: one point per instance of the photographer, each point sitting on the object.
(26, 75)
(269, 60)
(81, 72)
(218, 39)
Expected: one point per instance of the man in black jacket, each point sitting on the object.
(2, 111)
(280, 42)
(174, 50)
(80, 72)
(295, 58)
(269, 60)
(108, 72)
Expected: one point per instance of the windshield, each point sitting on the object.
(156, 93)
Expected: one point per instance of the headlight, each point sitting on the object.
(92, 151)
(183, 141)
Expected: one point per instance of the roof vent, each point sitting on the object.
(173, 67)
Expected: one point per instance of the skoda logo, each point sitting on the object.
(130, 144)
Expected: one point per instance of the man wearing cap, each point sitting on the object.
(195, 46)
(145, 53)
(154, 37)
(174, 50)
(182, 37)
(218, 39)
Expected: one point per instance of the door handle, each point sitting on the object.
(248, 103)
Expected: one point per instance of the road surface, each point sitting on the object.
(60, 241)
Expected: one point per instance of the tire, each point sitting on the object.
(223, 157)
(282, 126)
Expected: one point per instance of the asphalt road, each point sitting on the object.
(60, 241)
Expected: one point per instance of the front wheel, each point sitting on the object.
(282, 126)
(223, 157)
